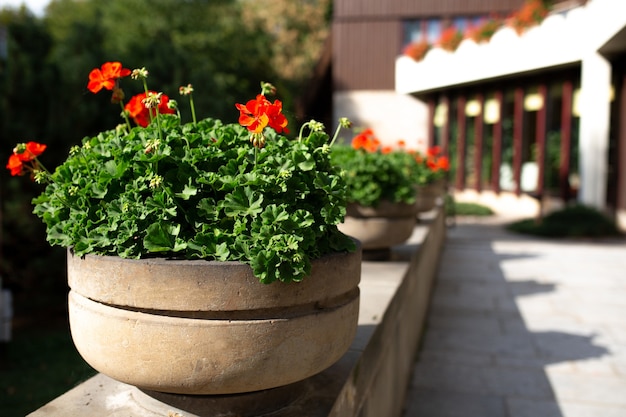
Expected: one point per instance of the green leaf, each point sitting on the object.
(187, 192)
(243, 202)
(163, 203)
(162, 237)
(115, 169)
(98, 190)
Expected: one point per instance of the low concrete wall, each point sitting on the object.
(377, 384)
(370, 380)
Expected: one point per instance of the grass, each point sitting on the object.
(455, 208)
(575, 221)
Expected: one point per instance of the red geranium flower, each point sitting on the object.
(253, 115)
(106, 76)
(15, 165)
(30, 151)
(25, 152)
(139, 112)
(443, 163)
(366, 140)
(436, 164)
(433, 151)
(260, 112)
(277, 120)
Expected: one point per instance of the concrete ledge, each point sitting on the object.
(370, 380)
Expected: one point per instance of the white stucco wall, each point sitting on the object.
(594, 105)
(621, 219)
(392, 116)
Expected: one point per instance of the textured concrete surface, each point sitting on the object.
(523, 327)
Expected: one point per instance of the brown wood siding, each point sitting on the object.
(411, 8)
(364, 55)
(367, 35)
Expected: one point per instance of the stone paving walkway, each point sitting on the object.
(523, 327)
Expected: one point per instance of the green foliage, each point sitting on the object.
(203, 191)
(458, 208)
(198, 42)
(25, 83)
(573, 221)
(43, 81)
(376, 176)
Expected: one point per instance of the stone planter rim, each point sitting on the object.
(148, 284)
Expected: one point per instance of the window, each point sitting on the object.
(433, 30)
(430, 29)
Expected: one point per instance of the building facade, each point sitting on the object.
(537, 113)
(530, 118)
(368, 36)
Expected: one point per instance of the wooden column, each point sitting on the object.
(566, 138)
(518, 125)
(497, 143)
(541, 128)
(461, 139)
(478, 143)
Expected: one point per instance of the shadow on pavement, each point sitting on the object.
(479, 356)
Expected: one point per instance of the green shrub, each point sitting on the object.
(573, 221)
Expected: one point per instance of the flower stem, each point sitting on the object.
(193, 108)
(145, 89)
(335, 135)
(125, 116)
(302, 130)
(35, 167)
(343, 122)
(256, 150)
(158, 119)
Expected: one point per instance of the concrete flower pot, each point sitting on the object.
(428, 194)
(200, 327)
(380, 227)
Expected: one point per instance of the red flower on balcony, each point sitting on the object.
(530, 14)
(483, 31)
(417, 50)
(450, 39)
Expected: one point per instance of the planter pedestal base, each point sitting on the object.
(374, 255)
(249, 404)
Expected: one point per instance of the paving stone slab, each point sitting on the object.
(559, 347)
(433, 403)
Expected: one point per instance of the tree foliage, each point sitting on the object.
(223, 47)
